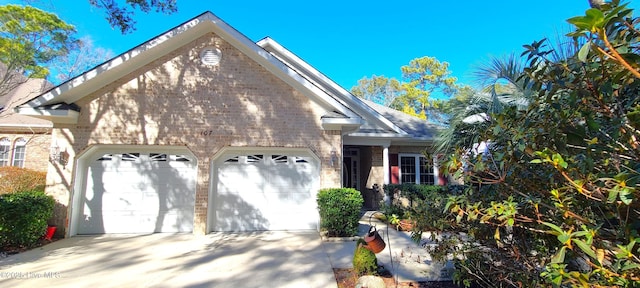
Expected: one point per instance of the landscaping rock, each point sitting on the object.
(369, 281)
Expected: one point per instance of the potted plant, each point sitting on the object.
(401, 224)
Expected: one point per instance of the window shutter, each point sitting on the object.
(395, 169)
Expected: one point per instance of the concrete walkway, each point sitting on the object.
(403, 257)
(261, 259)
(264, 259)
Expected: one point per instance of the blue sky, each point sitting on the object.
(347, 40)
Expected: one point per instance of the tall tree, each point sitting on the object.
(501, 86)
(121, 14)
(79, 60)
(422, 79)
(30, 39)
(378, 89)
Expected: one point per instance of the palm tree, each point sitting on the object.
(503, 83)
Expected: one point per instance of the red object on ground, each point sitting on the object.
(50, 231)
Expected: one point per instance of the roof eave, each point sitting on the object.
(391, 136)
(62, 116)
(346, 125)
(102, 75)
(344, 96)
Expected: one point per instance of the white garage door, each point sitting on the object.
(265, 191)
(138, 193)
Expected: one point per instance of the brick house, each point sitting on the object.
(201, 129)
(24, 141)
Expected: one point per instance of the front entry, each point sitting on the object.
(351, 168)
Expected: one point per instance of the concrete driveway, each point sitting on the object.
(262, 259)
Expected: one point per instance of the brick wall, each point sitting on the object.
(37, 149)
(178, 101)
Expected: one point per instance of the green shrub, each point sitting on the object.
(15, 179)
(364, 261)
(23, 217)
(416, 192)
(340, 211)
(427, 205)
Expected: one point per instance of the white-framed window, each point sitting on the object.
(19, 152)
(5, 151)
(415, 168)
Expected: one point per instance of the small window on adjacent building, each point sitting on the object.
(416, 169)
(19, 152)
(5, 151)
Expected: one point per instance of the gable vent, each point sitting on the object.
(210, 56)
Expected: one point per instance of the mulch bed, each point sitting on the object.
(347, 278)
(11, 250)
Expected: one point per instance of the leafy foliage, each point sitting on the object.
(23, 217)
(121, 16)
(553, 200)
(426, 206)
(378, 89)
(364, 261)
(422, 79)
(15, 179)
(340, 211)
(29, 40)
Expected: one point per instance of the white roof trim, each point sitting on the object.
(344, 124)
(319, 78)
(64, 116)
(104, 74)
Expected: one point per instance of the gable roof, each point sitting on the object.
(20, 89)
(380, 121)
(416, 127)
(344, 111)
(76, 88)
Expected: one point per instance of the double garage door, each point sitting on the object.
(146, 192)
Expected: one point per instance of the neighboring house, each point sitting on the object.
(24, 141)
(200, 129)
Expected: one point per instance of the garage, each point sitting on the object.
(264, 190)
(137, 192)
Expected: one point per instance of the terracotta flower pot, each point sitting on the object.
(405, 225)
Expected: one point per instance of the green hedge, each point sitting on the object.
(340, 211)
(364, 261)
(23, 217)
